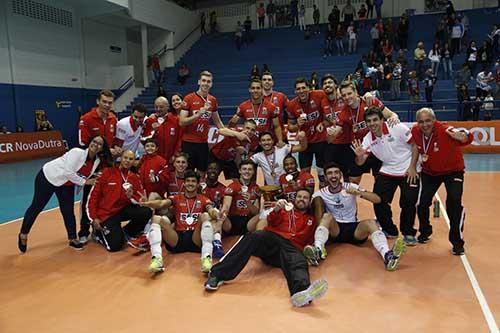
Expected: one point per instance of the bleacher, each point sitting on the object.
(289, 56)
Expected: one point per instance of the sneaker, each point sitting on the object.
(391, 258)
(206, 264)
(399, 247)
(323, 253)
(22, 243)
(316, 290)
(218, 251)
(410, 240)
(140, 243)
(213, 283)
(424, 238)
(83, 239)
(76, 244)
(312, 254)
(458, 250)
(156, 265)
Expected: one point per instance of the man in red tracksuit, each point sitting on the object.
(280, 244)
(442, 162)
(114, 199)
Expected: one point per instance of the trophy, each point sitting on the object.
(270, 192)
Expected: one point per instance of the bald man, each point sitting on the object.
(163, 126)
(114, 199)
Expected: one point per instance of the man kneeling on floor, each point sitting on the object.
(280, 244)
(192, 230)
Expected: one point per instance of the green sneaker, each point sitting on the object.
(323, 253)
(392, 258)
(156, 265)
(312, 254)
(399, 247)
(206, 264)
(316, 290)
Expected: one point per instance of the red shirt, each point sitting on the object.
(280, 101)
(91, 125)
(263, 114)
(331, 112)
(197, 131)
(445, 155)
(312, 108)
(349, 117)
(167, 135)
(188, 207)
(225, 150)
(296, 226)
(215, 194)
(107, 198)
(303, 179)
(156, 163)
(174, 185)
(239, 205)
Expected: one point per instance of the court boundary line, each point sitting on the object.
(43, 211)
(488, 315)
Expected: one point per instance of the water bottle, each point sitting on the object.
(436, 208)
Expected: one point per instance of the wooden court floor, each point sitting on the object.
(53, 288)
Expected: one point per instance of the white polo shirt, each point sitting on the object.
(276, 158)
(341, 205)
(393, 148)
(131, 135)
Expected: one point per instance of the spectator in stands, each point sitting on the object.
(389, 30)
(313, 83)
(442, 33)
(271, 11)
(457, 32)
(476, 108)
(329, 41)
(387, 70)
(213, 22)
(471, 57)
(265, 69)
(435, 58)
(161, 91)
(369, 5)
(238, 35)
(495, 40)
(396, 82)
(447, 60)
(488, 107)
(247, 35)
(349, 13)
(294, 11)
(339, 40)
(203, 20)
(450, 9)
(430, 81)
(381, 29)
(316, 17)
(418, 57)
(155, 67)
(362, 15)
(19, 129)
(255, 73)
(464, 102)
(375, 35)
(484, 54)
(4, 130)
(183, 74)
(352, 38)
(497, 79)
(413, 87)
(388, 49)
(302, 17)
(403, 28)
(464, 19)
(261, 15)
(483, 82)
(378, 8)
(334, 17)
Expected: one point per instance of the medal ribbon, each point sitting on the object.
(426, 147)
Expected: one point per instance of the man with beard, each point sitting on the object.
(291, 227)
(340, 221)
(129, 130)
(293, 179)
(192, 230)
(279, 99)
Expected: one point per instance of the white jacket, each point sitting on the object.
(65, 168)
(434, 56)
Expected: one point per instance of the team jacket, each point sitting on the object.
(156, 163)
(296, 226)
(445, 154)
(91, 125)
(167, 135)
(107, 198)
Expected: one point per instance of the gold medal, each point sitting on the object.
(425, 157)
(355, 128)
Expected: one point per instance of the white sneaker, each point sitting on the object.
(316, 290)
(83, 239)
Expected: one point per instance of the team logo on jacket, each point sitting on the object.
(309, 222)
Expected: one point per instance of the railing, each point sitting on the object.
(184, 39)
(127, 84)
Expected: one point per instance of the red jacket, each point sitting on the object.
(107, 198)
(156, 163)
(91, 125)
(296, 226)
(445, 155)
(167, 136)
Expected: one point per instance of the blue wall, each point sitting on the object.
(30, 98)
